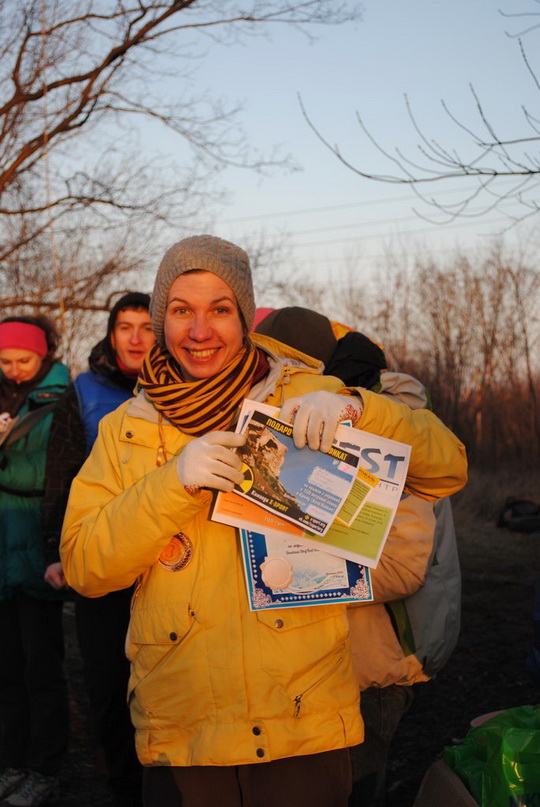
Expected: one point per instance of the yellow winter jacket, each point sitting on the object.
(213, 683)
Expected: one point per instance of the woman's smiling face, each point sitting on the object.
(203, 329)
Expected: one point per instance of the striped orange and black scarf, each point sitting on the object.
(198, 407)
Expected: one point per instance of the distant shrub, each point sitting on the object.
(487, 490)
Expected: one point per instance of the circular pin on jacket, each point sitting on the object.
(177, 554)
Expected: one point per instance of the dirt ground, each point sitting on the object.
(485, 673)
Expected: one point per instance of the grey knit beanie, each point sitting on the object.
(212, 254)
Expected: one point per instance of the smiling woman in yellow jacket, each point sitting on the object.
(229, 705)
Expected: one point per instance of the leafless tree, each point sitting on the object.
(500, 168)
(80, 198)
(470, 331)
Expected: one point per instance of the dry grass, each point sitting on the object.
(486, 492)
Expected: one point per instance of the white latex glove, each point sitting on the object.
(316, 416)
(208, 462)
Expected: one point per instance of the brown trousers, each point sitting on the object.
(320, 780)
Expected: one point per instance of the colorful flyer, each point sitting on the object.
(361, 527)
(362, 540)
(305, 487)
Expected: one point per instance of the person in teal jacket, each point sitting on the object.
(34, 711)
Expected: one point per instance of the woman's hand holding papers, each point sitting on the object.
(316, 416)
(208, 462)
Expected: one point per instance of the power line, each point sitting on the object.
(344, 206)
(379, 223)
(417, 231)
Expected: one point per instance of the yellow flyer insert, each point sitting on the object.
(362, 487)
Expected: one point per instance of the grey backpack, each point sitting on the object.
(427, 623)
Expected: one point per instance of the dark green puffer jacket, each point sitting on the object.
(22, 468)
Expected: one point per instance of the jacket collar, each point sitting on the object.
(283, 360)
(278, 351)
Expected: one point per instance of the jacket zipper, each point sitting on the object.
(298, 698)
(136, 592)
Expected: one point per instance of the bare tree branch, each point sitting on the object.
(493, 157)
(74, 74)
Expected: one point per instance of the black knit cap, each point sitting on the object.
(354, 358)
(133, 299)
(301, 328)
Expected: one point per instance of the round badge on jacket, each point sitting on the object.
(177, 554)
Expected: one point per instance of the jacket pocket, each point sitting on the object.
(310, 687)
(155, 648)
(302, 649)
(161, 625)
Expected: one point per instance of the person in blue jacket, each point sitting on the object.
(101, 624)
(34, 710)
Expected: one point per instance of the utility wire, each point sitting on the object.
(344, 206)
(396, 235)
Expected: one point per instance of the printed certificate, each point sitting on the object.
(281, 572)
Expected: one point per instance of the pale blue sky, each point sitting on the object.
(430, 50)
